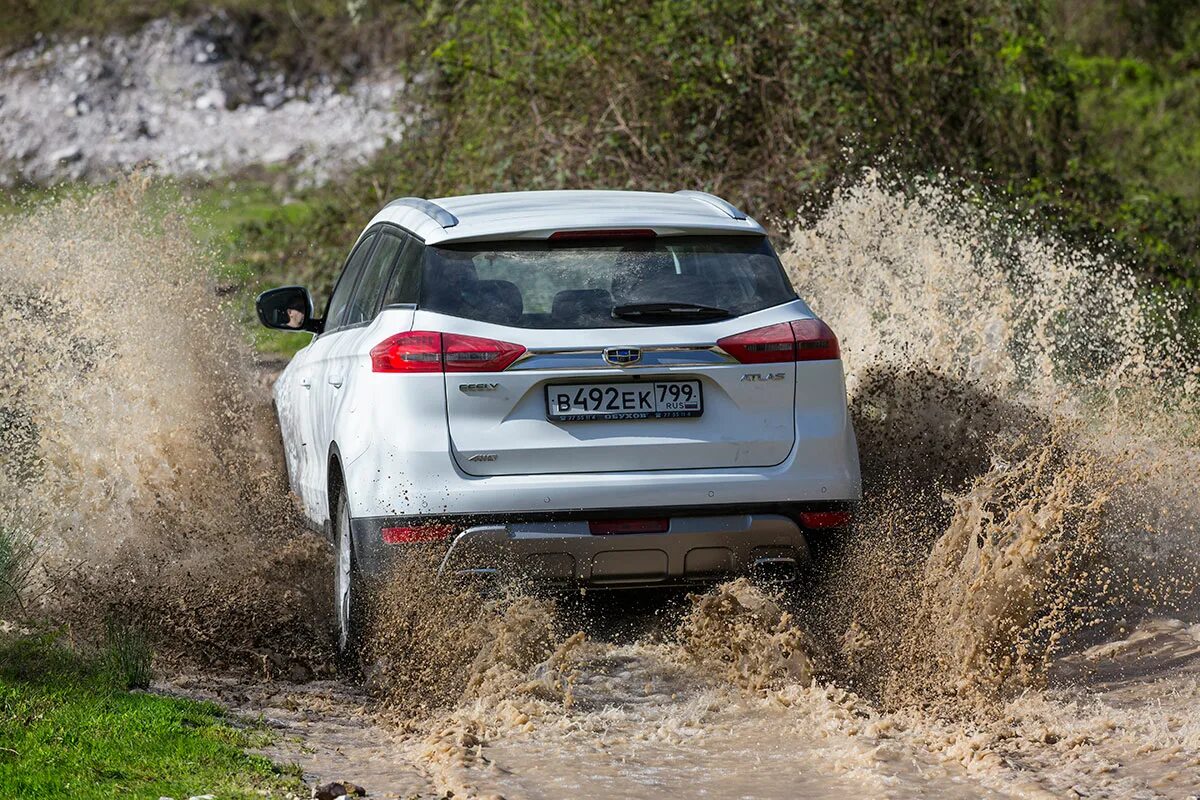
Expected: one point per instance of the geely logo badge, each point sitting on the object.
(622, 356)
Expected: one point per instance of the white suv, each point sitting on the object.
(582, 387)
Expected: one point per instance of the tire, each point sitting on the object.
(347, 591)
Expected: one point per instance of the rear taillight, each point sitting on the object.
(762, 345)
(411, 351)
(473, 354)
(607, 526)
(428, 351)
(815, 341)
(800, 340)
(415, 534)
(825, 519)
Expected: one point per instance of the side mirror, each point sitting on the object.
(289, 308)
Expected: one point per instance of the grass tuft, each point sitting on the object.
(127, 656)
(16, 565)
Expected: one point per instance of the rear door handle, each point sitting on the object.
(336, 382)
(306, 383)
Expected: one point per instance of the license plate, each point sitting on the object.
(570, 402)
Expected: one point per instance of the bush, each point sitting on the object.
(767, 102)
(761, 100)
(773, 102)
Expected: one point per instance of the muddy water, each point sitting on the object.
(1013, 615)
(639, 719)
(326, 726)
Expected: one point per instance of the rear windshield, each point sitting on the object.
(578, 285)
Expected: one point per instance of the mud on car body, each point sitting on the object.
(589, 388)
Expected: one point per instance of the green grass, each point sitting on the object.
(69, 728)
(15, 201)
(279, 344)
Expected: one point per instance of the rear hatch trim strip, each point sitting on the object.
(585, 358)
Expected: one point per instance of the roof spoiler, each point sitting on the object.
(724, 206)
(432, 210)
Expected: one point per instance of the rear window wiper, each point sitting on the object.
(636, 311)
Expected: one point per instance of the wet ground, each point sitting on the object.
(324, 726)
(641, 720)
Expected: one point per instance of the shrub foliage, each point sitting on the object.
(1082, 111)
(763, 101)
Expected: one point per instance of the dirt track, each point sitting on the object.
(641, 722)
(324, 726)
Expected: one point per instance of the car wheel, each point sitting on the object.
(347, 588)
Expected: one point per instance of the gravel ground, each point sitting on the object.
(177, 95)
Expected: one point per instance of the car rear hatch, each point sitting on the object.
(606, 357)
(510, 423)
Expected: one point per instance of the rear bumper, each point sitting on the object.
(694, 549)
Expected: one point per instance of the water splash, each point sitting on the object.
(1019, 587)
(1018, 405)
(135, 442)
(1027, 418)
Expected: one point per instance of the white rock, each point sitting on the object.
(213, 98)
(67, 155)
(280, 152)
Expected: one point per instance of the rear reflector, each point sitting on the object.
(825, 519)
(603, 233)
(799, 340)
(605, 526)
(429, 351)
(414, 534)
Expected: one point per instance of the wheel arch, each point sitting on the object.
(335, 480)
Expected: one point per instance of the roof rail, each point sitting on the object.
(723, 206)
(432, 210)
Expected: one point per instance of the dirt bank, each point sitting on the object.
(183, 97)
